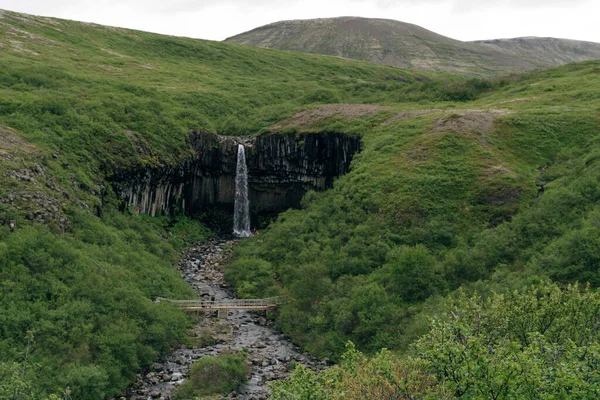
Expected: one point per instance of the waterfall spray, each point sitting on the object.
(241, 208)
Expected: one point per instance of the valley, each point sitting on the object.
(392, 208)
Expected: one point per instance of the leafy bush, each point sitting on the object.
(538, 343)
(466, 91)
(215, 375)
(357, 377)
(87, 299)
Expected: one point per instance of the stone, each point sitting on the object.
(157, 367)
(282, 167)
(265, 354)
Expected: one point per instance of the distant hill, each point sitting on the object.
(406, 45)
(545, 52)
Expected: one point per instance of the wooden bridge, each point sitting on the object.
(226, 304)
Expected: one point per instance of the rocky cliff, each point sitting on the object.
(281, 169)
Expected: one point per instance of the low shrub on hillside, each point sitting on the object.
(538, 343)
(215, 375)
(86, 300)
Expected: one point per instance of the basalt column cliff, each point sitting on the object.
(281, 169)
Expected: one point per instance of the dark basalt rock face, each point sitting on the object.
(281, 169)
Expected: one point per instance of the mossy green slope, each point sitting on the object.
(78, 102)
(436, 201)
(93, 99)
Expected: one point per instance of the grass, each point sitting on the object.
(95, 100)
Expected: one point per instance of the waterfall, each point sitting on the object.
(241, 207)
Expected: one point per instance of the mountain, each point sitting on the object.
(545, 52)
(406, 45)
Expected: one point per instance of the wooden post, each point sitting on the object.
(222, 313)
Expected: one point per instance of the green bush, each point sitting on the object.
(538, 343)
(87, 298)
(215, 375)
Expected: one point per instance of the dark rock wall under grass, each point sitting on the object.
(281, 169)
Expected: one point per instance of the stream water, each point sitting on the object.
(270, 355)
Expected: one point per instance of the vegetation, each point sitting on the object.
(215, 375)
(463, 184)
(85, 298)
(430, 206)
(538, 343)
(80, 102)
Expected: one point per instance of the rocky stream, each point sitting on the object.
(270, 355)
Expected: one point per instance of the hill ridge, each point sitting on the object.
(407, 45)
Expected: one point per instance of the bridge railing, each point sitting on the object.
(234, 303)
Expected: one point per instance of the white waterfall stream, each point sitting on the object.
(241, 208)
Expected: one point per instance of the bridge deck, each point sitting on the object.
(227, 304)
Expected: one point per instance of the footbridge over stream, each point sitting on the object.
(226, 304)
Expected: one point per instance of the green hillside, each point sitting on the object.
(544, 51)
(79, 102)
(437, 200)
(94, 99)
(485, 185)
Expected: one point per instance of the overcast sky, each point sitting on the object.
(218, 19)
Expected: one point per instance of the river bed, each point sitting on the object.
(270, 355)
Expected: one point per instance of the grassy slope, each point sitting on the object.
(104, 98)
(425, 211)
(78, 101)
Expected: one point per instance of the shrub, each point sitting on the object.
(540, 342)
(215, 375)
(357, 377)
